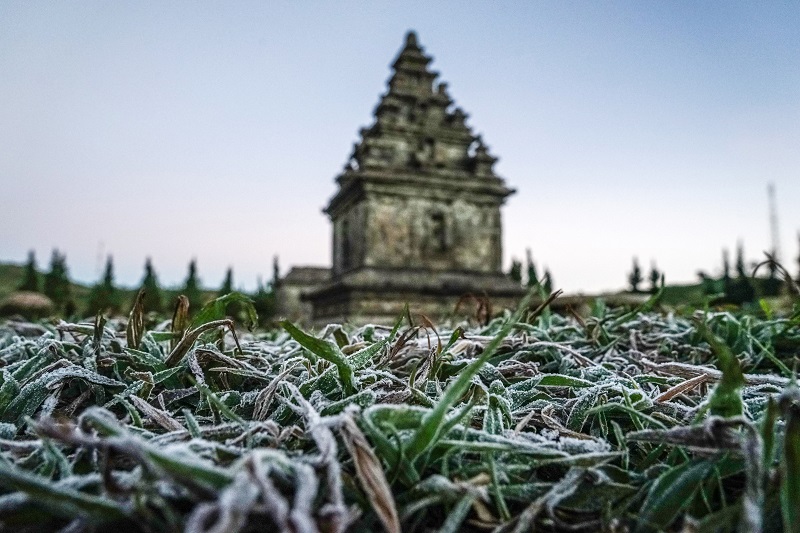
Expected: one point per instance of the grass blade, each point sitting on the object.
(135, 327)
(64, 501)
(790, 463)
(433, 421)
(325, 350)
(370, 475)
(672, 492)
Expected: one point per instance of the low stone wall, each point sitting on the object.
(363, 307)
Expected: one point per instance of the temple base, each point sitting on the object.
(379, 297)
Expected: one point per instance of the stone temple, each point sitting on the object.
(416, 218)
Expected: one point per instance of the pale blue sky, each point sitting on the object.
(214, 129)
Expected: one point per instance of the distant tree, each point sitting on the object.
(772, 266)
(56, 282)
(772, 285)
(31, 280)
(655, 278)
(516, 271)
(233, 309)
(635, 277)
(191, 288)
(741, 269)
(533, 278)
(547, 282)
(740, 290)
(726, 264)
(706, 282)
(264, 303)
(153, 299)
(727, 283)
(276, 272)
(227, 283)
(104, 297)
(798, 261)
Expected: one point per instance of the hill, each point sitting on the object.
(11, 276)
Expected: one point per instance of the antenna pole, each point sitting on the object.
(773, 222)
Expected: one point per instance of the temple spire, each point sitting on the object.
(418, 128)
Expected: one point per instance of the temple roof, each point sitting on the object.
(417, 127)
(419, 136)
(300, 275)
(411, 57)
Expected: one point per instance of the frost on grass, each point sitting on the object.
(637, 421)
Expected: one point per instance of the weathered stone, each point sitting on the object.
(416, 217)
(290, 289)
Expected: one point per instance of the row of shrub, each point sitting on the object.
(108, 298)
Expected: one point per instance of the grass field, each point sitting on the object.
(622, 421)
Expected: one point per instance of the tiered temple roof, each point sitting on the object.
(418, 132)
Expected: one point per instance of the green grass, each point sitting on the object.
(637, 421)
(10, 278)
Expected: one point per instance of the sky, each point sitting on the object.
(214, 130)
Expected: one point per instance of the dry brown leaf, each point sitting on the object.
(135, 328)
(158, 416)
(680, 388)
(180, 320)
(370, 475)
(264, 398)
(190, 337)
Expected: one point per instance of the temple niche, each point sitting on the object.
(416, 217)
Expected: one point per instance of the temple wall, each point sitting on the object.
(289, 306)
(386, 307)
(349, 239)
(423, 233)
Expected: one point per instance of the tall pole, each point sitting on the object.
(773, 222)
